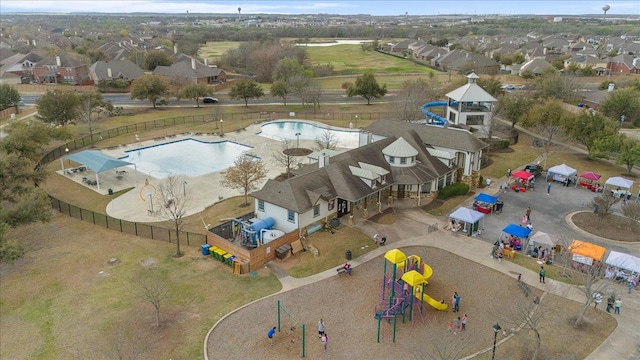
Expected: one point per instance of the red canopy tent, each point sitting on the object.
(521, 174)
(587, 179)
(590, 176)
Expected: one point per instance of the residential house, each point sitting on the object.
(536, 66)
(624, 64)
(191, 72)
(115, 69)
(62, 69)
(18, 69)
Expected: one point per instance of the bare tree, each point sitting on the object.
(632, 211)
(592, 285)
(174, 201)
(91, 111)
(527, 314)
(149, 285)
(312, 94)
(450, 349)
(283, 156)
(245, 175)
(602, 205)
(327, 140)
(413, 94)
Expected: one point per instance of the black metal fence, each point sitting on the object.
(156, 232)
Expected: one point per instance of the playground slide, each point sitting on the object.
(435, 118)
(431, 301)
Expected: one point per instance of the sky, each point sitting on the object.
(341, 7)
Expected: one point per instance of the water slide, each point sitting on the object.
(435, 119)
(438, 305)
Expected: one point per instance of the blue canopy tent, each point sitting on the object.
(485, 203)
(97, 161)
(516, 230)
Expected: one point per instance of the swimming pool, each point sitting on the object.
(188, 157)
(287, 130)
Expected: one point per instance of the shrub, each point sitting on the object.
(453, 190)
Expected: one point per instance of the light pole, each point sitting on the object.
(222, 126)
(496, 330)
(184, 187)
(298, 140)
(66, 152)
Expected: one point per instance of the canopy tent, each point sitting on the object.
(97, 161)
(521, 174)
(588, 175)
(586, 249)
(620, 182)
(468, 216)
(624, 261)
(486, 198)
(517, 230)
(542, 239)
(562, 169)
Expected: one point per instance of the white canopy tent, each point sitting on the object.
(468, 216)
(620, 182)
(563, 170)
(542, 239)
(624, 261)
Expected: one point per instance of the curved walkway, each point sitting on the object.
(624, 342)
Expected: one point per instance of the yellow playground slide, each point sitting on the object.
(438, 305)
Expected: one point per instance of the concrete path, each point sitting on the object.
(411, 227)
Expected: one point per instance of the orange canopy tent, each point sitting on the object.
(589, 250)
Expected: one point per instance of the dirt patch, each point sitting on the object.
(614, 227)
(297, 151)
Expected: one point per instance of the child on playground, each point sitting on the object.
(270, 334)
(324, 342)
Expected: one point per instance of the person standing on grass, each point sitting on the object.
(324, 342)
(542, 274)
(270, 334)
(617, 305)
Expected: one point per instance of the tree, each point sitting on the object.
(312, 94)
(413, 94)
(150, 285)
(279, 89)
(527, 75)
(91, 110)
(491, 85)
(297, 85)
(632, 211)
(602, 205)
(327, 140)
(246, 89)
(587, 127)
(622, 102)
(547, 120)
(514, 106)
(367, 86)
(284, 156)
(245, 175)
(22, 202)
(150, 87)
(552, 85)
(156, 58)
(590, 285)
(9, 96)
(628, 152)
(287, 67)
(529, 314)
(58, 107)
(195, 92)
(122, 339)
(174, 201)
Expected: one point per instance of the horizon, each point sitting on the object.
(354, 7)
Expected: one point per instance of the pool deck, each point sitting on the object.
(203, 191)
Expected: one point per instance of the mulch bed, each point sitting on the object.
(613, 227)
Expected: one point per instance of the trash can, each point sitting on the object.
(335, 222)
(110, 191)
(205, 249)
(348, 254)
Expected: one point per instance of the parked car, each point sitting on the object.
(508, 87)
(534, 169)
(209, 100)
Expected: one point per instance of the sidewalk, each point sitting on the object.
(623, 343)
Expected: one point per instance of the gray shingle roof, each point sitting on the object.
(449, 138)
(119, 68)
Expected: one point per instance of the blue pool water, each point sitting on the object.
(283, 130)
(188, 157)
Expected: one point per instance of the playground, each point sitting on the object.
(347, 304)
